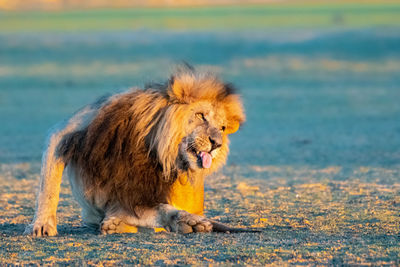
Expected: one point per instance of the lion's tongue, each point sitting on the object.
(205, 159)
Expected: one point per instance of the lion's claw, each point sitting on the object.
(39, 229)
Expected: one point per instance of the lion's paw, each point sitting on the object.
(110, 225)
(41, 228)
(185, 223)
(115, 225)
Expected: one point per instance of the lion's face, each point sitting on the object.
(205, 136)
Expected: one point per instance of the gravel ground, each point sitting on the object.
(306, 216)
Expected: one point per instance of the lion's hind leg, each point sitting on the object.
(45, 221)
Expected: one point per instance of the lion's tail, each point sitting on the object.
(222, 228)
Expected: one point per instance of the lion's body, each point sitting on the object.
(138, 158)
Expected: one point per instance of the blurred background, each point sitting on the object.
(320, 79)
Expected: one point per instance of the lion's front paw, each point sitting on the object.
(41, 228)
(114, 225)
(184, 222)
(110, 225)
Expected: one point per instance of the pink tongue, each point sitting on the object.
(205, 159)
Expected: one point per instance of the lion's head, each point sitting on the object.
(193, 132)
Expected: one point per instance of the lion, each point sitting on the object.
(138, 159)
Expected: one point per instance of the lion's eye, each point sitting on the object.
(200, 116)
(223, 128)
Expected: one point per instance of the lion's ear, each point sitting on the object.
(180, 88)
(235, 113)
(177, 88)
(232, 127)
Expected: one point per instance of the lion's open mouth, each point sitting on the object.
(204, 158)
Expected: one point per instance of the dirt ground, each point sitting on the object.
(316, 166)
(306, 216)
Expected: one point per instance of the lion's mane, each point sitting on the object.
(129, 151)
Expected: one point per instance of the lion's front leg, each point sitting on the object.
(114, 224)
(163, 216)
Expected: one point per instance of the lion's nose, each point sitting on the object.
(215, 137)
(215, 143)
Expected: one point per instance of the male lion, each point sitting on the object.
(139, 158)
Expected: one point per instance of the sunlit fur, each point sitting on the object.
(138, 143)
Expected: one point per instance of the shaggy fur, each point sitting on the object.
(130, 150)
(138, 159)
